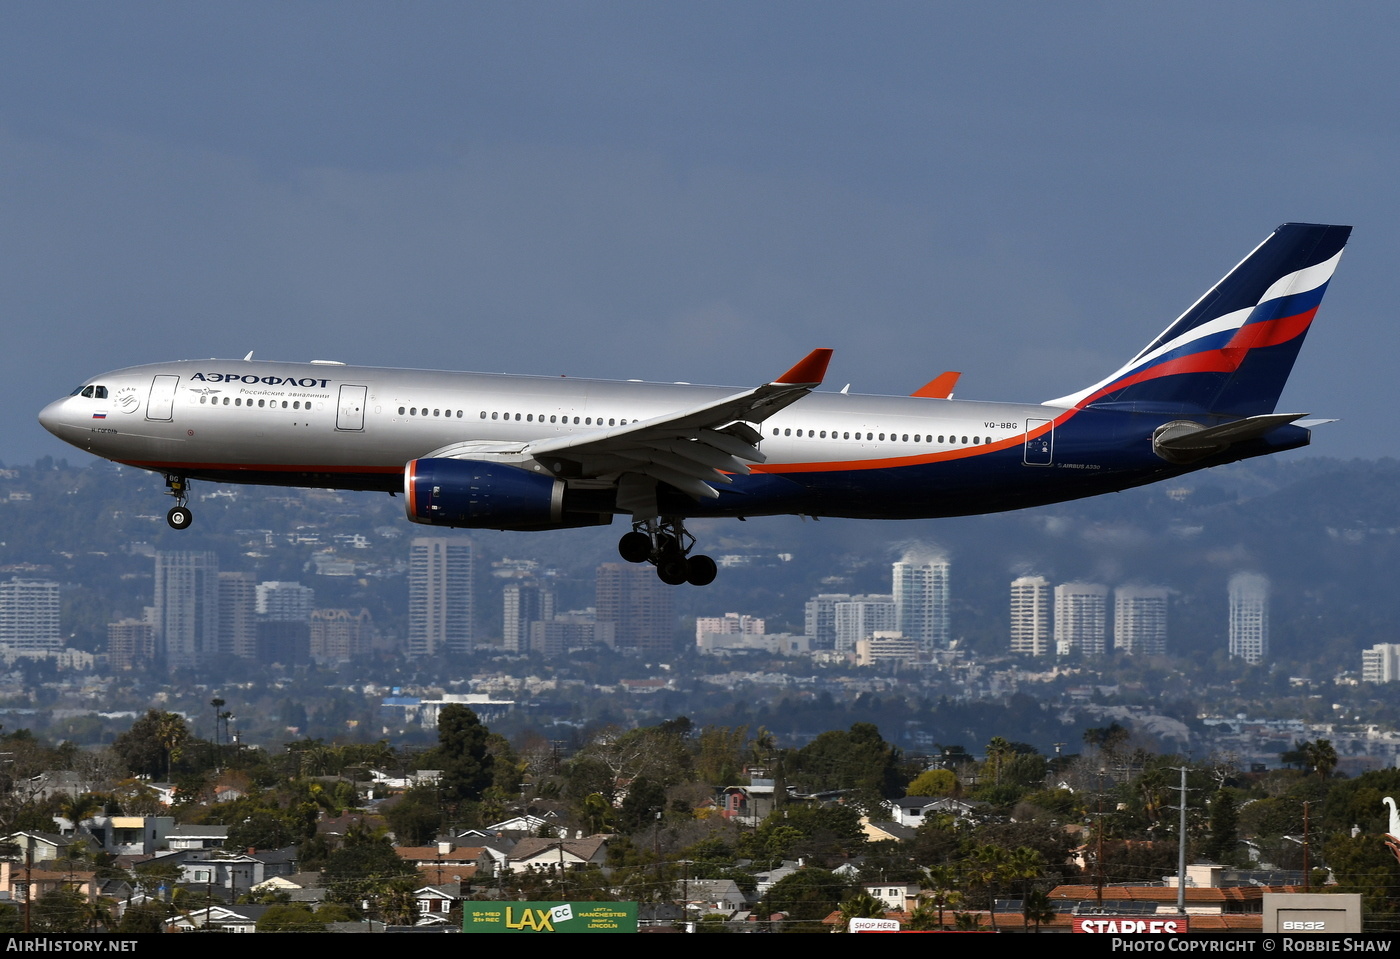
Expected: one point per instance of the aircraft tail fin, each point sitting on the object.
(1231, 352)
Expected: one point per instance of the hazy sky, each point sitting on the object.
(1024, 192)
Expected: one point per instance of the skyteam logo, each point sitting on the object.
(304, 382)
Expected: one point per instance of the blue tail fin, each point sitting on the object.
(1231, 352)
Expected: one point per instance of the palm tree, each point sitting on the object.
(944, 880)
(861, 906)
(1037, 908)
(171, 732)
(989, 868)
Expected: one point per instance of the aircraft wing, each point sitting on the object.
(688, 449)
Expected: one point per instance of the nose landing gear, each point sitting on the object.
(665, 544)
(179, 516)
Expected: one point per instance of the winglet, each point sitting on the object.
(809, 370)
(940, 387)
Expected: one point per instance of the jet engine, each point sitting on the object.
(472, 494)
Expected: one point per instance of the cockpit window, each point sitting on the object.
(87, 391)
(99, 392)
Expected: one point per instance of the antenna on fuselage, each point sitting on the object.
(248, 357)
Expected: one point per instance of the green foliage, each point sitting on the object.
(1224, 828)
(152, 744)
(819, 834)
(290, 918)
(1036, 908)
(934, 782)
(467, 766)
(355, 871)
(145, 917)
(62, 910)
(415, 817)
(1363, 864)
(640, 806)
(861, 906)
(807, 897)
(858, 761)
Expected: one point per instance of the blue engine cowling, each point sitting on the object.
(471, 494)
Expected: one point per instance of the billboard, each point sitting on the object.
(547, 917)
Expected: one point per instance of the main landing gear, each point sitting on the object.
(179, 516)
(665, 544)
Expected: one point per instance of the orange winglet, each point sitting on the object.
(810, 369)
(940, 387)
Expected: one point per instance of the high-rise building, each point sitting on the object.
(1140, 620)
(861, 617)
(285, 602)
(1249, 617)
(1030, 616)
(238, 622)
(524, 603)
(820, 619)
(131, 644)
(639, 606)
(440, 599)
(1081, 614)
(187, 607)
(338, 635)
(729, 624)
(29, 617)
(1381, 663)
(921, 602)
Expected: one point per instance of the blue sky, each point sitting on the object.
(1027, 193)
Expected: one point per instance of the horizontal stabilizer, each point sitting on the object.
(1183, 441)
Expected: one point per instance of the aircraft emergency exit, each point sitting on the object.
(491, 451)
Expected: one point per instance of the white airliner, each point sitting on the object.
(490, 451)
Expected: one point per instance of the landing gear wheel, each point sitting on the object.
(179, 517)
(664, 542)
(700, 571)
(672, 571)
(635, 547)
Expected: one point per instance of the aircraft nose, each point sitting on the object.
(51, 417)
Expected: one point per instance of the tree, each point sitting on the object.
(1037, 908)
(934, 782)
(806, 897)
(462, 755)
(1224, 827)
(861, 906)
(150, 746)
(858, 761)
(415, 817)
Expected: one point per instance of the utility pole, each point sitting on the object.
(1181, 849)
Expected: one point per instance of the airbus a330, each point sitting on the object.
(491, 451)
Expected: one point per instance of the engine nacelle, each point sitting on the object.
(472, 494)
